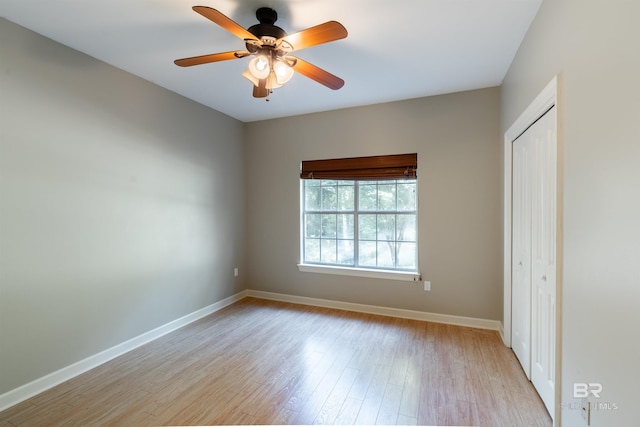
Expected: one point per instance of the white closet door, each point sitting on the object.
(543, 266)
(534, 208)
(521, 251)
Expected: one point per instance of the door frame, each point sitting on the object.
(546, 99)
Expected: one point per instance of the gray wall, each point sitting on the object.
(593, 46)
(121, 206)
(457, 140)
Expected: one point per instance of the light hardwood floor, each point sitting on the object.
(265, 362)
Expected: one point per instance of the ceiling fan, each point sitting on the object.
(272, 64)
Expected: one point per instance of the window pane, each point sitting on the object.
(311, 198)
(312, 250)
(406, 227)
(386, 227)
(328, 251)
(387, 197)
(329, 198)
(346, 198)
(345, 252)
(345, 226)
(367, 254)
(367, 197)
(367, 227)
(407, 196)
(386, 254)
(385, 215)
(329, 226)
(312, 228)
(407, 255)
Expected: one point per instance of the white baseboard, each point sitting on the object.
(383, 311)
(35, 387)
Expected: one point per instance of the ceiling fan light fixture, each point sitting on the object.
(259, 67)
(271, 66)
(282, 71)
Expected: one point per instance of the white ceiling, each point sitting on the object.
(395, 50)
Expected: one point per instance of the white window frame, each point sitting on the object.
(376, 273)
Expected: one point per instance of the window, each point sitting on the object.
(350, 219)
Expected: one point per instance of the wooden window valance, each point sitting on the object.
(396, 166)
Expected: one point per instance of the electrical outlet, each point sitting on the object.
(235, 272)
(427, 285)
(585, 410)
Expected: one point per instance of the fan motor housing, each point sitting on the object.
(267, 17)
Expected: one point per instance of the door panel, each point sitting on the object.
(521, 252)
(543, 266)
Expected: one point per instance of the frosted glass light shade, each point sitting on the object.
(259, 67)
(271, 81)
(283, 72)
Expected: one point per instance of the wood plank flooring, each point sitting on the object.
(265, 362)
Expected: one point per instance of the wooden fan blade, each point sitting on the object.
(261, 90)
(214, 57)
(323, 33)
(224, 21)
(318, 74)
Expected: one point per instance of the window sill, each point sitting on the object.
(406, 276)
